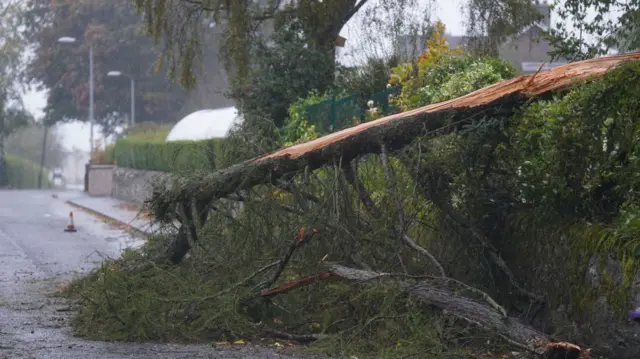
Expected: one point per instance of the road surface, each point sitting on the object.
(36, 255)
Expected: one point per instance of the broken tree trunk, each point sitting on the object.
(396, 131)
(484, 315)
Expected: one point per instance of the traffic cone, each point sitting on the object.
(70, 226)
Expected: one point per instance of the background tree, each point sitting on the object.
(579, 36)
(179, 25)
(282, 73)
(489, 23)
(26, 143)
(114, 30)
(12, 114)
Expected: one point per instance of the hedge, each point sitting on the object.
(178, 156)
(23, 174)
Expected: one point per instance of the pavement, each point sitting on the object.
(37, 256)
(115, 210)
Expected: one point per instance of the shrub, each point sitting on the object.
(23, 174)
(367, 79)
(148, 131)
(102, 155)
(297, 128)
(579, 154)
(178, 156)
(442, 73)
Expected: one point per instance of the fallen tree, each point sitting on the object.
(500, 99)
(489, 315)
(191, 200)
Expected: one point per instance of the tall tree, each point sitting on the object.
(113, 29)
(12, 113)
(27, 143)
(491, 22)
(179, 23)
(578, 36)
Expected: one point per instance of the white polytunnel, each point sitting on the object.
(204, 125)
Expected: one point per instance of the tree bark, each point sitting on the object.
(396, 131)
(484, 315)
(470, 310)
(188, 231)
(467, 309)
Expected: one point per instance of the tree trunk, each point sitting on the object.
(396, 132)
(475, 312)
(434, 291)
(4, 179)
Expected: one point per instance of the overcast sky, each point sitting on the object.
(77, 134)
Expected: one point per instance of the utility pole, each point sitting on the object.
(132, 119)
(133, 101)
(42, 156)
(91, 120)
(3, 168)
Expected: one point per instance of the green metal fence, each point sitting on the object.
(335, 114)
(381, 100)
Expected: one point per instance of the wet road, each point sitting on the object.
(36, 255)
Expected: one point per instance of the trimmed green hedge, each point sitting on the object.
(179, 156)
(23, 174)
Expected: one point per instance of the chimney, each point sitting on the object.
(545, 10)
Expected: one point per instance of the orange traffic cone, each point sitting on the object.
(70, 226)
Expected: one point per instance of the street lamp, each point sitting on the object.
(133, 96)
(71, 40)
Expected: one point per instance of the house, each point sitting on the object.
(526, 51)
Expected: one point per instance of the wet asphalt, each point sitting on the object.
(36, 256)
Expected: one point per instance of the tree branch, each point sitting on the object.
(303, 237)
(396, 131)
(487, 317)
(353, 11)
(286, 287)
(493, 252)
(405, 238)
(242, 282)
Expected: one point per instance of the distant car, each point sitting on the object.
(57, 173)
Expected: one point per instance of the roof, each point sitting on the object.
(205, 124)
(462, 40)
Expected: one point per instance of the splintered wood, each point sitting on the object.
(526, 85)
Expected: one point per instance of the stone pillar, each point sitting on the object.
(100, 180)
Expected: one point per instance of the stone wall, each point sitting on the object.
(134, 185)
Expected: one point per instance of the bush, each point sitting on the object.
(442, 73)
(23, 174)
(367, 79)
(179, 156)
(578, 157)
(148, 131)
(298, 128)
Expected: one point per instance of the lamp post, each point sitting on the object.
(133, 94)
(71, 40)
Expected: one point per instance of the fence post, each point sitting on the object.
(332, 114)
